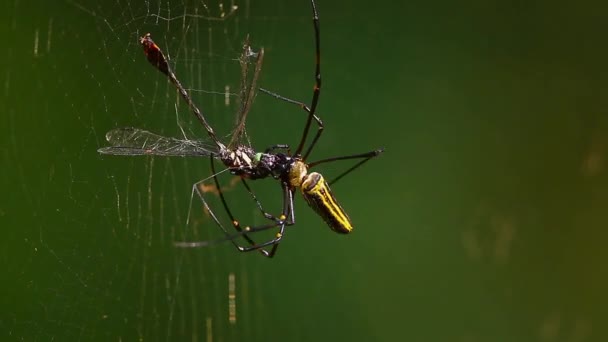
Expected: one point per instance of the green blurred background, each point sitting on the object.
(484, 220)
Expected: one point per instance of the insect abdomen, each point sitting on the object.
(317, 193)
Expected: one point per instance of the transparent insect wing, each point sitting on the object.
(247, 92)
(135, 141)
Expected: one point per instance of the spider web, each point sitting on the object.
(124, 279)
(484, 221)
(179, 293)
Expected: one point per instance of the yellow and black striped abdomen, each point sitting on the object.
(317, 193)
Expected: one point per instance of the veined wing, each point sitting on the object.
(248, 89)
(129, 141)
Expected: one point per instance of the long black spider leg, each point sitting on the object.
(290, 220)
(288, 212)
(228, 236)
(286, 218)
(257, 202)
(232, 236)
(365, 156)
(307, 110)
(236, 224)
(316, 89)
(315, 94)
